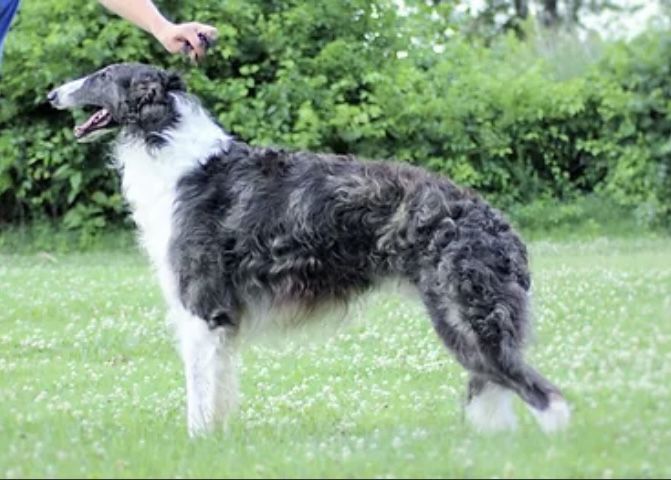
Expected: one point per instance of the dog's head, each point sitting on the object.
(123, 95)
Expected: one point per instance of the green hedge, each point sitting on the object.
(327, 75)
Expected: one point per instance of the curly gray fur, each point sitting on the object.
(301, 228)
(315, 228)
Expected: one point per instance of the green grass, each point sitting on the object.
(90, 384)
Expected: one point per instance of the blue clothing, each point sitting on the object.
(7, 10)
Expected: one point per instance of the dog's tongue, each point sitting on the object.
(98, 120)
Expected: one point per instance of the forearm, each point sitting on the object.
(174, 37)
(142, 13)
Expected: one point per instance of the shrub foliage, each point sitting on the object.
(347, 76)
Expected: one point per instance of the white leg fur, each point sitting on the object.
(555, 417)
(210, 360)
(492, 409)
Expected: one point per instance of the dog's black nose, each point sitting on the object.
(52, 96)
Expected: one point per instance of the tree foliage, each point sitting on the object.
(346, 76)
(497, 17)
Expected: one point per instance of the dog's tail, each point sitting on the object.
(544, 399)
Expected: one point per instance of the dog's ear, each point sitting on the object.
(174, 83)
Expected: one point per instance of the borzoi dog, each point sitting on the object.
(233, 230)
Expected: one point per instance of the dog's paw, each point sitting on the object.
(492, 410)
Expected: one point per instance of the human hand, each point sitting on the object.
(192, 38)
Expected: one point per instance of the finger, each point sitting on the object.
(206, 41)
(186, 47)
(207, 35)
(194, 41)
(210, 32)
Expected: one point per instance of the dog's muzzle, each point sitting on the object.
(61, 97)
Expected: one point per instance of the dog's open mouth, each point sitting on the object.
(97, 124)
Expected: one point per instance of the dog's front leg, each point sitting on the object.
(210, 359)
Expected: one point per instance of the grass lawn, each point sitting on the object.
(90, 384)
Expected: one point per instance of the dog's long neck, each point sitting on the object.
(150, 174)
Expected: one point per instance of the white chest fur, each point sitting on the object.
(149, 187)
(150, 177)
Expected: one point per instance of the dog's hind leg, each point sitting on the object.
(485, 331)
(210, 358)
(489, 405)
(500, 336)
